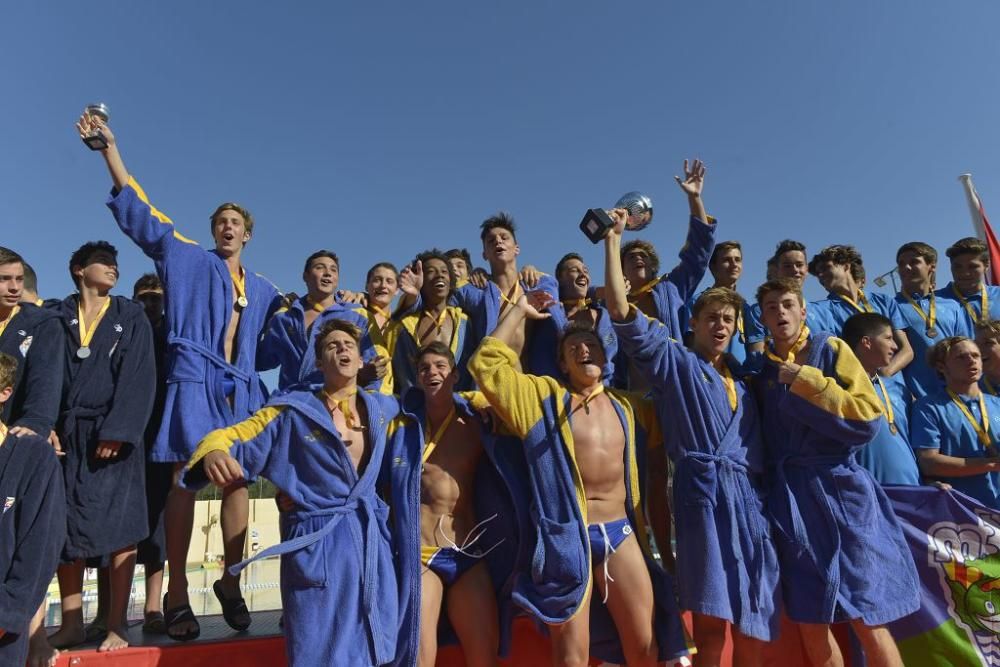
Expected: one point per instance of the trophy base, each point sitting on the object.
(96, 142)
(595, 224)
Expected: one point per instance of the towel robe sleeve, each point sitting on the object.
(149, 228)
(843, 406)
(41, 515)
(249, 442)
(694, 255)
(515, 396)
(135, 386)
(43, 379)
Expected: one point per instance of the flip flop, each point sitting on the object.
(154, 623)
(180, 614)
(233, 609)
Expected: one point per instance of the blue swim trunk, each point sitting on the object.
(605, 538)
(447, 562)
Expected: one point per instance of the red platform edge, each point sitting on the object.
(530, 649)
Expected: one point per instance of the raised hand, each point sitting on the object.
(221, 468)
(530, 276)
(347, 296)
(620, 217)
(787, 372)
(479, 278)
(534, 303)
(694, 178)
(411, 279)
(88, 125)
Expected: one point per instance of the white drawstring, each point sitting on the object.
(470, 538)
(607, 547)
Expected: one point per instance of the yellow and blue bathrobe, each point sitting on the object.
(198, 307)
(383, 343)
(500, 489)
(841, 549)
(289, 346)
(406, 348)
(537, 410)
(340, 580)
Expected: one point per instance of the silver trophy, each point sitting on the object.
(596, 222)
(96, 141)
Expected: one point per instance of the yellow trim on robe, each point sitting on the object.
(852, 398)
(222, 439)
(156, 212)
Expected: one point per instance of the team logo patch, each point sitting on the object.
(118, 328)
(25, 346)
(7, 504)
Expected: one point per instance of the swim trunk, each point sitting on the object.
(447, 562)
(605, 538)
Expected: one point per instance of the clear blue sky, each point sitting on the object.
(378, 129)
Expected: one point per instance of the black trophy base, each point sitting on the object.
(595, 224)
(96, 141)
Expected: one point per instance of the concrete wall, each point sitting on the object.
(206, 538)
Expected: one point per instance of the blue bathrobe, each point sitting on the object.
(840, 547)
(286, 344)
(543, 348)
(406, 349)
(500, 490)
(921, 379)
(483, 306)
(34, 338)
(340, 588)
(107, 396)
(726, 563)
(536, 409)
(198, 305)
(32, 523)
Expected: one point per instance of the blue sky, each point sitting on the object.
(379, 129)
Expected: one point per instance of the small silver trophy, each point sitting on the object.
(96, 141)
(596, 222)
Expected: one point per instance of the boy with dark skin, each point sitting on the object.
(452, 455)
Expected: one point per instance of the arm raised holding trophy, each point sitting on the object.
(94, 131)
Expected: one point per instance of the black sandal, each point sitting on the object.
(232, 608)
(180, 614)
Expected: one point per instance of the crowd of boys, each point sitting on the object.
(501, 442)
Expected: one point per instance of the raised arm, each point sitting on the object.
(227, 455)
(700, 240)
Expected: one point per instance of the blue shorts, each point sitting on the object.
(448, 563)
(616, 532)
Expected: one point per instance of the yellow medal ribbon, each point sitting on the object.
(982, 430)
(13, 313)
(890, 416)
(729, 383)
(344, 405)
(799, 344)
(373, 311)
(990, 389)
(87, 333)
(985, 300)
(585, 403)
(739, 326)
(3, 433)
(318, 307)
(431, 442)
(240, 285)
(865, 306)
(648, 287)
(930, 317)
(509, 299)
(578, 304)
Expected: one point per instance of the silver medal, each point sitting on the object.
(83, 352)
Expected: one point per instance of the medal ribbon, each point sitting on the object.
(865, 306)
(982, 430)
(576, 304)
(344, 405)
(968, 306)
(13, 313)
(729, 383)
(3, 433)
(318, 307)
(239, 283)
(929, 317)
(648, 287)
(509, 299)
(87, 333)
(585, 403)
(990, 389)
(890, 416)
(430, 442)
(799, 344)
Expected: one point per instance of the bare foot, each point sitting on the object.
(117, 639)
(40, 652)
(67, 637)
